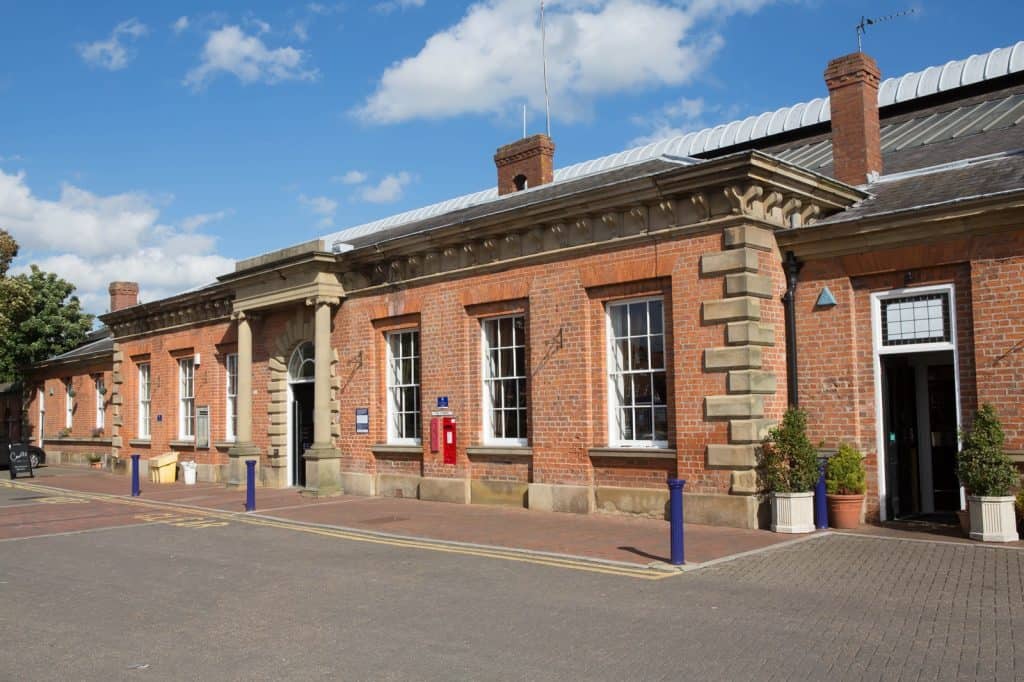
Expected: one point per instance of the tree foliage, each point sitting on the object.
(789, 461)
(844, 473)
(39, 315)
(982, 465)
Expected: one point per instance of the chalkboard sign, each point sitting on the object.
(21, 463)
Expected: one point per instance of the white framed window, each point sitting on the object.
(404, 387)
(637, 389)
(69, 406)
(101, 404)
(914, 320)
(186, 399)
(504, 379)
(231, 391)
(145, 396)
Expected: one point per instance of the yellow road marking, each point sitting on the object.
(61, 500)
(200, 516)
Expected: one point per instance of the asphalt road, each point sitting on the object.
(236, 601)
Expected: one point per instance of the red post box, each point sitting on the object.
(450, 441)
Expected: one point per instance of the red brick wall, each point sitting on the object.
(162, 351)
(83, 420)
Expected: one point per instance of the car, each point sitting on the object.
(36, 454)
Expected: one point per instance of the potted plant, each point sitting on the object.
(845, 483)
(64, 433)
(989, 477)
(97, 432)
(95, 460)
(789, 466)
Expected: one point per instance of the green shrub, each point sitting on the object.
(983, 467)
(844, 473)
(789, 462)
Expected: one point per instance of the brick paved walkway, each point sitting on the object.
(854, 607)
(596, 536)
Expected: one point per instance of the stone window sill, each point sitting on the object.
(385, 449)
(1016, 456)
(140, 442)
(71, 440)
(224, 445)
(632, 453)
(190, 444)
(499, 451)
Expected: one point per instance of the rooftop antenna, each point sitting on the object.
(862, 27)
(544, 56)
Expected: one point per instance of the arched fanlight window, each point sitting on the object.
(302, 366)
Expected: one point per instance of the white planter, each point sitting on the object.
(793, 512)
(992, 519)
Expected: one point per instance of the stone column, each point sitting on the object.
(323, 471)
(243, 449)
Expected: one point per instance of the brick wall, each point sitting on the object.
(82, 437)
(162, 351)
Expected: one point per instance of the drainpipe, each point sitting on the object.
(792, 267)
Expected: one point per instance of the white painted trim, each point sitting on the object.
(878, 351)
(289, 440)
(42, 413)
(486, 408)
(610, 404)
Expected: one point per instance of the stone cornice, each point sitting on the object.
(750, 187)
(169, 314)
(984, 215)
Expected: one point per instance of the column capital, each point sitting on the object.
(315, 301)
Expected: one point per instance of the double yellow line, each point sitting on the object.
(521, 556)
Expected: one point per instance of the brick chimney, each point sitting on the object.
(853, 93)
(123, 295)
(529, 162)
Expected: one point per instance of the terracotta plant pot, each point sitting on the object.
(844, 510)
(96, 465)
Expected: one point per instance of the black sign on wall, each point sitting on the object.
(21, 463)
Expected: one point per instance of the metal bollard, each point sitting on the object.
(675, 509)
(820, 508)
(250, 485)
(135, 476)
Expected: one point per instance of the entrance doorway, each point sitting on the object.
(302, 430)
(301, 382)
(917, 401)
(920, 430)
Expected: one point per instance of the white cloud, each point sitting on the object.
(321, 206)
(301, 31)
(677, 118)
(489, 62)
(389, 189)
(12, 157)
(91, 240)
(193, 222)
(113, 54)
(231, 50)
(352, 177)
(180, 24)
(389, 6)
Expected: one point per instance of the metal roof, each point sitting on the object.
(935, 79)
(926, 129)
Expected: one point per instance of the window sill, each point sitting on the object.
(224, 445)
(1016, 456)
(73, 440)
(140, 442)
(500, 451)
(185, 444)
(632, 453)
(385, 449)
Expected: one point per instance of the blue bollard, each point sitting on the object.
(820, 508)
(675, 514)
(135, 476)
(250, 485)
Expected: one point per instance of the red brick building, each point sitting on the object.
(597, 328)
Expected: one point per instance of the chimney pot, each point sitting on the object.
(123, 295)
(529, 162)
(853, 98)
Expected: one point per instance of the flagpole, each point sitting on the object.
(544, 55)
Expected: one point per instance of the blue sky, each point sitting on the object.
(160, 141)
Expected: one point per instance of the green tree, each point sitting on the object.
(789, 461)
(39, 315)
(982, 464)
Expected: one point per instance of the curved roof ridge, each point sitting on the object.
(929, 81)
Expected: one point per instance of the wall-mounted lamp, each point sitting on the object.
(197, 359)
(826, 299)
